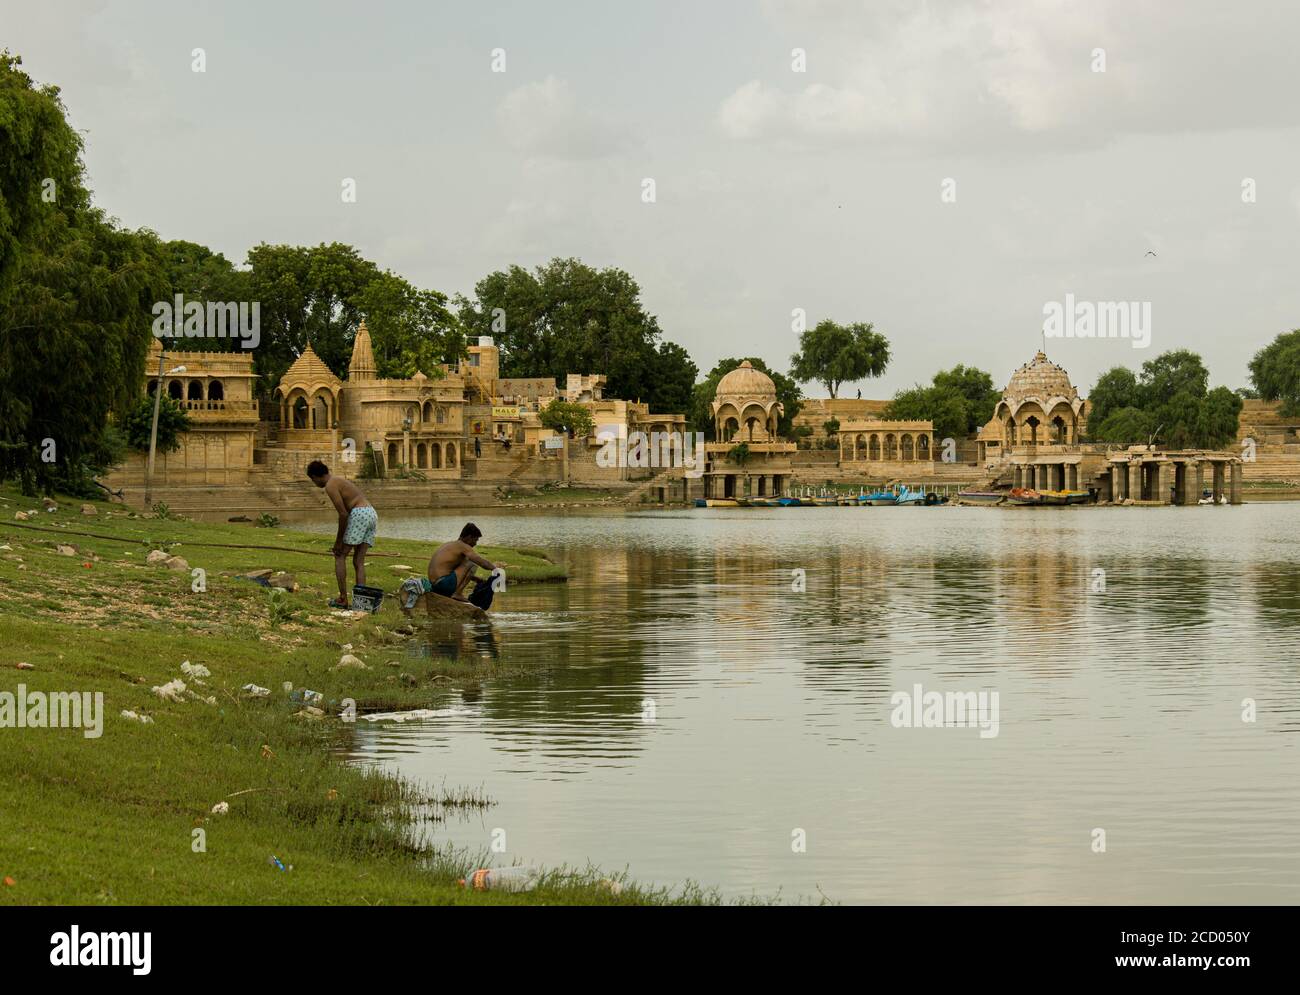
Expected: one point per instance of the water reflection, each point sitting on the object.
(684, 707)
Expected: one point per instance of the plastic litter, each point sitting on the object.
(134, 717)
(502, 879)
(254, 691)
(274, 861)
(195, 670)
(171, 691)
(307, 696)
(416, 714)
(221, 808)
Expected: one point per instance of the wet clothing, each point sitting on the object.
(445, 585)
(363, 520)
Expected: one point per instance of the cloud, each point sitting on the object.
(977, 75)
(545, 119)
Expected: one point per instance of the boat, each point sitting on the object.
(882, 498)
(722, 503)
(1051, 497)
(1077, 497)
(981, 497)
(701, 503)
(789, 502)
(911, 497)
(1024, 497)
(824, 502)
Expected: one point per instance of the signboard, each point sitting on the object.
(554, 442)
(505, 411)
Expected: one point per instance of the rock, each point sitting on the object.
(310, 712)
(89, 509)
(408, 680)
(20, 516)
(23, 665)
(284, 581)
(63, 550)
(347, 660)
(50, 504)
(157, 556)
(176, 563)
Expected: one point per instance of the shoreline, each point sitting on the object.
(128, 817)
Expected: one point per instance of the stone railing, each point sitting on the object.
(220, 410)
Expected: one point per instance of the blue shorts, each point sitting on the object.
(362, 522)
(446, 585)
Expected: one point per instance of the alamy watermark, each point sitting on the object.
(1098, 320)
(218, 320)
(650, 450)
(921, 709)
(53, 710)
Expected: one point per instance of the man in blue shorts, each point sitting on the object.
(357, 523)
(452, 564)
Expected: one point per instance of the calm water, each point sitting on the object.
(690, 713)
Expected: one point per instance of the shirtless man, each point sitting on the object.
(357, 523)
(452, 564)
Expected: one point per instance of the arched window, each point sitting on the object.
(873, 448)
(891, 447)
(153, 387)
(392, 455)
(907, 452)
(923, 447)
(195, 391)
(422, 456)
(300, 413)
(451, 455)
(435, 456)
(860, 452)
(176, 390)
(216, 392)
(427, 414)
(441, 414)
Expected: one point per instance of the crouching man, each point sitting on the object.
(452, 567)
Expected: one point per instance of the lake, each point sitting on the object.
(694, 715)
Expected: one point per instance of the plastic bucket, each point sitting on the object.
(366, 599)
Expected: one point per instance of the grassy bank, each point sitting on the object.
(113, 819)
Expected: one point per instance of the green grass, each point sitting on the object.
(113, 820)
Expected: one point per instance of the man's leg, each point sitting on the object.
(464, 574)
(341, 573)
(359, 562)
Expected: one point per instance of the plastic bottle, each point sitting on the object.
(502, 879)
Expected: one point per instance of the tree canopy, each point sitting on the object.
(568, 317)
(1169, 402)
(958, 401)
(1275, 372)
(832, 354)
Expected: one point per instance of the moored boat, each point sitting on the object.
(723, 503)
(882, 498)
(789, 502)
(981, 497)
(1024, 497)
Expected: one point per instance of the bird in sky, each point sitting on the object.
(1150, 253)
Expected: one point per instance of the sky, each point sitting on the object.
(783, 179)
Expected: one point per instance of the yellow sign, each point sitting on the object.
(505, 411)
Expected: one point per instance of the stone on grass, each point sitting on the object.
(50, 505)
(89, 509)
(176, 563)
(347, 660)
(284, 581)
(157, 556)
(66, 550)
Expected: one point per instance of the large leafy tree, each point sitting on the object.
(75, 308)
(832, 354)
(787, 392)
(958, 401)
(200, 275)
(410, 329)
(1169, 402)
(568, 317)
(1275, 372)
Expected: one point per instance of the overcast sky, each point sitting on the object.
(775, 189)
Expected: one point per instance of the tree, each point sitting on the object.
(958, 402)
(76, 292)
(1115, 390)
(409, 329)
(1168, 403)
(569, 417)
(1275, 372)
(787, 392)
(567, 317)
(41, 164)
(173, 422)
(832, 354)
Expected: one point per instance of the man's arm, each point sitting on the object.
(473, 557)
(337, 499)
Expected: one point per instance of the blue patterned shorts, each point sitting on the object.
(362, 522)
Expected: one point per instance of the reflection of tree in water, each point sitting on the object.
(1163, 593)
(1276, 587)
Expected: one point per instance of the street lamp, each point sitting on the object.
(153, 432)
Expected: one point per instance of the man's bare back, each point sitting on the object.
(452, 563)
(345, 494)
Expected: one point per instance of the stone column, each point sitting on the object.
(1197, 474)
(1134, 490)
(1234, 488)
(1217, 485)
(1162, 482)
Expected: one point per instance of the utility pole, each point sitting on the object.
(153, 432)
